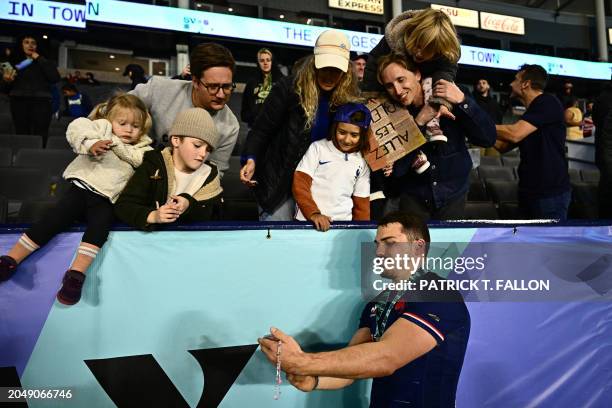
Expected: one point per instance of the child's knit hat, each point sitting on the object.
(354, 113)
(196, 122)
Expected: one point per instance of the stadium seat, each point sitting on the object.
(509, 211)
(590, 176)
(6, 123)
(239, 202)
(574, 175)
(16, 142)
(477, 191)
(494, 172)
(21, 184)
(6, 156)
(584, 204)
(3, 210)
(502, 190)
(512, 153)
(480, 210)
(511, 161)
(33, 210)
(58, 143)
(490, 161)
(51, 161)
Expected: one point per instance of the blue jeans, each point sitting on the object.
(285, 212)
(546, 208)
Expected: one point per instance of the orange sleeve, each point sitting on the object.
(302, 184)
(361, 208)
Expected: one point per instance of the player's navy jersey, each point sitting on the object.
(431, 380)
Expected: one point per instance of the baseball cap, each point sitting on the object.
(332, 49)
(354, 113)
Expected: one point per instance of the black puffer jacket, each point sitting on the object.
(277, 142)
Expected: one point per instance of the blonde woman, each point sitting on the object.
(295, 114)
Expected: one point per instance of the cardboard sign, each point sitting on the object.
(393, 134)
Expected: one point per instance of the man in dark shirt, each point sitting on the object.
(482, 96)
(602, 117)
(544, 189)
(411, 342)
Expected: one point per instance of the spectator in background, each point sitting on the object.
(257, 89)
(587, 120)
(566, 96)
(29, 83)
(544, 189)
(74, 78)
(573, 119)
(296, 113)
(212, 67)
(483, 97)
(185, 74)
(602, 117)
(90, 79)
(359, 64)
(77, 104)
(136, 74)
(440, 191)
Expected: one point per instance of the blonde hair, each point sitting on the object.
(307, 88)
(433, 33)
(107, 110)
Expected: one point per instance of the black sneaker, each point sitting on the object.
(7, 267)
(70, 293)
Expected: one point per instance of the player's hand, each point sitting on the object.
(100, 147)
(321, 222)
(291, 353)
(246, 173)
(304, 383)
(449, 91)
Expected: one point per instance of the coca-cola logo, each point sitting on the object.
(503, 23)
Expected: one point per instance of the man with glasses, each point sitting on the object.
(212, 68)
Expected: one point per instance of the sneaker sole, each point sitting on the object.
(65, 301)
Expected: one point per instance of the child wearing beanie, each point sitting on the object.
(176, 183)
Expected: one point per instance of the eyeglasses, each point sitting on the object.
(213, 89)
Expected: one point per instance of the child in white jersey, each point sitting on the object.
(332, 182)
(109, 146)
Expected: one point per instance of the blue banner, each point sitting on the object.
(182, 310)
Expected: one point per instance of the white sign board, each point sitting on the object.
(502, 23)
(361, 6)
(459, 16)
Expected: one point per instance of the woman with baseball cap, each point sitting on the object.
(296, 113)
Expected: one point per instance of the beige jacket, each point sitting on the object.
(109, 172)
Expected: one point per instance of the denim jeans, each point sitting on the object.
(285, 212)
(546, 208)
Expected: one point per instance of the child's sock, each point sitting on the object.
(86, 253)
(24, 247)
(74, 278)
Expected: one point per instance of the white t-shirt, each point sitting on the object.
(336, 177)
(190, 183)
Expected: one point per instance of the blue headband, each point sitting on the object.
(344, 113)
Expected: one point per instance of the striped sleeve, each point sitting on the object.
(426, 323)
